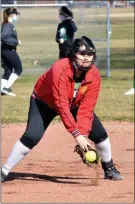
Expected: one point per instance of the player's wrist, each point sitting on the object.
(76, 133)
(61, 40)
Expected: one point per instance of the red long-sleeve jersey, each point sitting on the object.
(56, 88)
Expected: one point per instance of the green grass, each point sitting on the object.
(122, 38)
(112, 103)
(37, 33)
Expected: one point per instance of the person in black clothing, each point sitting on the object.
(65, 32)
(10, 60)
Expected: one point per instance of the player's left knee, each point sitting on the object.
(100, 137)
(18, 69)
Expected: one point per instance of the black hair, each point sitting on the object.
(65, 11)
(84, 41)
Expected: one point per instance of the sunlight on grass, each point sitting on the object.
(112, 103)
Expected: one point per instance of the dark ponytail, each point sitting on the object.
(5, 17)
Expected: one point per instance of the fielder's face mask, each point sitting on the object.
(89, 51)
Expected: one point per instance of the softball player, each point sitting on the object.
(65, 32)
(53, 95)
(10, 60)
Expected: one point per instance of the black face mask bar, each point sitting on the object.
(85, 52)
(84, 59)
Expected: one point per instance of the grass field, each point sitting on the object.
(37, 29)
(112, 103)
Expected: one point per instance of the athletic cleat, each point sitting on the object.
(2, 94)
(113, 174)
(8, 91)
(3, 176)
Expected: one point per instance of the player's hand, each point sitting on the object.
(61, 40)
(82, 142)
(19, 41)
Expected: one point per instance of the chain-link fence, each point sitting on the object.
(37, 27)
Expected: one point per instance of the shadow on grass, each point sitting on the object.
(122, 58)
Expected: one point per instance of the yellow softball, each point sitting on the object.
(90, 156)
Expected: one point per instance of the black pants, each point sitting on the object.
(40, 116)
(10, 62)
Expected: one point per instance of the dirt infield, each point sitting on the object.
(52, 172)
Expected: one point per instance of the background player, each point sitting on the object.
(10, 60)
(65, 31)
